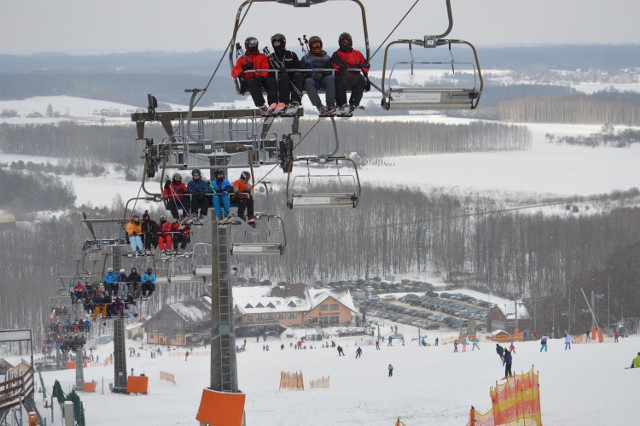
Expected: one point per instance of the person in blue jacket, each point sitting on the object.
(221, 188)
(111, 281)
(148, 282)
(198, 191)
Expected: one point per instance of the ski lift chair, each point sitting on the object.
(299, 197)
(267, 238)
(437, 97)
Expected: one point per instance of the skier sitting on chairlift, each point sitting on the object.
(256, 80)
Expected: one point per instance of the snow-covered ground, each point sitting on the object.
(545, 169)
(587, 385)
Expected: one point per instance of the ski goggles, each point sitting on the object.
(252, 42)
(316, 45)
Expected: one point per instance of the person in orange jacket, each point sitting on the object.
(246, 69)
(243, 197)
(134, 233)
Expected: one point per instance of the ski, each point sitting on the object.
(291, 110)
(347, 111)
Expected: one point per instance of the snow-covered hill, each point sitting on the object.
(587, 385)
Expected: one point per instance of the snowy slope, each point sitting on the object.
(430, 386)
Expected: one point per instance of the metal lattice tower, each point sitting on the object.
(119, 357)
(224, 372)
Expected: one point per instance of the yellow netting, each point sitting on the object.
(515, 402)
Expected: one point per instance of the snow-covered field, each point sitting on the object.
(430, 386)
(545, 169)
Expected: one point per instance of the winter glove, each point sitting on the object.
(248, 66)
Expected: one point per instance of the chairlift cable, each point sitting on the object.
(222, 57)
(394, 29)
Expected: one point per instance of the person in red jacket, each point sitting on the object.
(175, 196)
(344, 60)
(165, 239)
(256, 80)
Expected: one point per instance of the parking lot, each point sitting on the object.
(431, 311)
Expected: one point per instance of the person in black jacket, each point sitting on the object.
(134, 279)
(507, 364)
(290, 84)
(320, 77)
(500, 351)
(150, 232)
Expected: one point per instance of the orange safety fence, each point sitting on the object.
(322, 382)
(291, 381)
(514, 402)
(168, 377)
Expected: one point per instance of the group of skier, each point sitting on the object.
(195, 198)
(285, 77)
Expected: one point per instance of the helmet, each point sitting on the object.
(163, 218)
(109, 269)
(251, 44)
(196, 172)
(345, 41)
(218, 171)
(315, 44)
(279, 38)
(177, 176)
(122, 271)
(245, 175)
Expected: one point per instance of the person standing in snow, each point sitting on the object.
(543, 343)
(455, 345)
(500, 352)
(512, 348)
(186, 355)
(475, 344)
(567, 340)
(464, 344)
(507, 364)
(615, 335)
(358, 352)
(390, 370)
(340, 351)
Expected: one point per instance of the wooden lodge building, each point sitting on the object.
(257, 310)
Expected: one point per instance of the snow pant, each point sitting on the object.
(507, 370)
(355, 82)
(122, 290)
(180, 242)
(244, 204)
(390, 372)
(567, 345)
(99, 309)
(199, 205)
(150, 240)
(133, 288)
(543, 346)
(136, 243)
(112, 289)
(147, 288)
(226, 204)
(286, 84)
(328, 83)
(164, 242)
(255, 86)
(174, 205)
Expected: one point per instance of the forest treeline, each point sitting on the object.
(116, 143)
(471, 241)
(612, 107)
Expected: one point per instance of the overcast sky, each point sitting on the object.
(91, 26)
